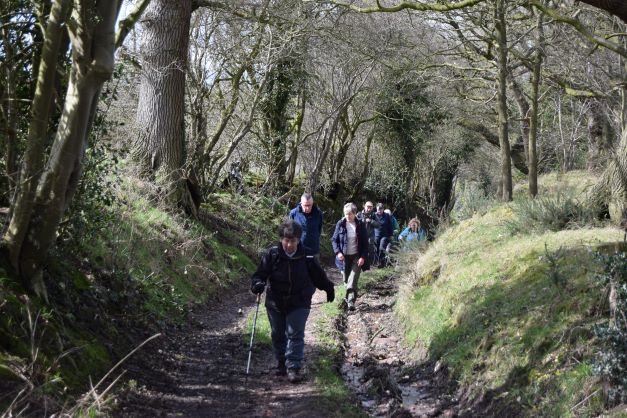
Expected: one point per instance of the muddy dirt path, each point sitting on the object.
(200, 370)
(381, 369)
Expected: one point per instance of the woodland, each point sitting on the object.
(216, 115)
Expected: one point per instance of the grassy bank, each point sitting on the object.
(110, 288)
(512, 314)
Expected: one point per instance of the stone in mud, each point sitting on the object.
(404, 379)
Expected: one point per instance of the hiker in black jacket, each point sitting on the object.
(291, 279)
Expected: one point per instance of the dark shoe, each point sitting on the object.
(281, 370)
(294, 375)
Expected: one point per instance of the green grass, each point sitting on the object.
(262, 330)
(575, 181)
(178, 262)
(338, 400)
(502, 317)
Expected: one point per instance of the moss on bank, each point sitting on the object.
(511, 315)
(106, 295)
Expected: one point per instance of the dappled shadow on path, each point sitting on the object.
(199, 371)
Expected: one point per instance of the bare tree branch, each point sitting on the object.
(127, 24)
(579, 27)
(422, 7)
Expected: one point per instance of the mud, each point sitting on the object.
(199, 371)
(380, 368)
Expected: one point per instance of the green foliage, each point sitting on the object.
(89, 213)
(388, 183)
(552, 260)
(552, 213)
(409, 115)
(611, 360)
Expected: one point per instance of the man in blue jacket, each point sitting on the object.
(309, 217)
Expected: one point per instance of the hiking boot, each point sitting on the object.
(294, 375)
(350, 305)
(281, 370)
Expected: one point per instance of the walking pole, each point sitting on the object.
(252, 336)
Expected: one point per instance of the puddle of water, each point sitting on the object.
(352, 375)
(412, 395)
(415, 394)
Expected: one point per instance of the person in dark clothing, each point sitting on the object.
(350, 245)
(367, 217)
(291, 278)
(383, 234)
(309, 216)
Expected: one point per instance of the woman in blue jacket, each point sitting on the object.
(350, 245)
(413, 234)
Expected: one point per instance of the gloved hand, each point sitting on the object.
(258, 287)
(330, 294)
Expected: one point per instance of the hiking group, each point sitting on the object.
(290, 270)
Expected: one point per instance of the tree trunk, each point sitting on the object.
(9, 109)
(326, 139)
(516, 150)
(278, 94)
(366, 166)
(598, 141)
(298, 125)
(506, 163)
(617, 182)
(42, 200)
(524, 110)
(21, 212)
(160, 144)
(45, 192)
(441, 186)
(535, 88)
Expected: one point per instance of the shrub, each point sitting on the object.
(471, 199)
(552, 213)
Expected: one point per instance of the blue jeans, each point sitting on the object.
(288, 336)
